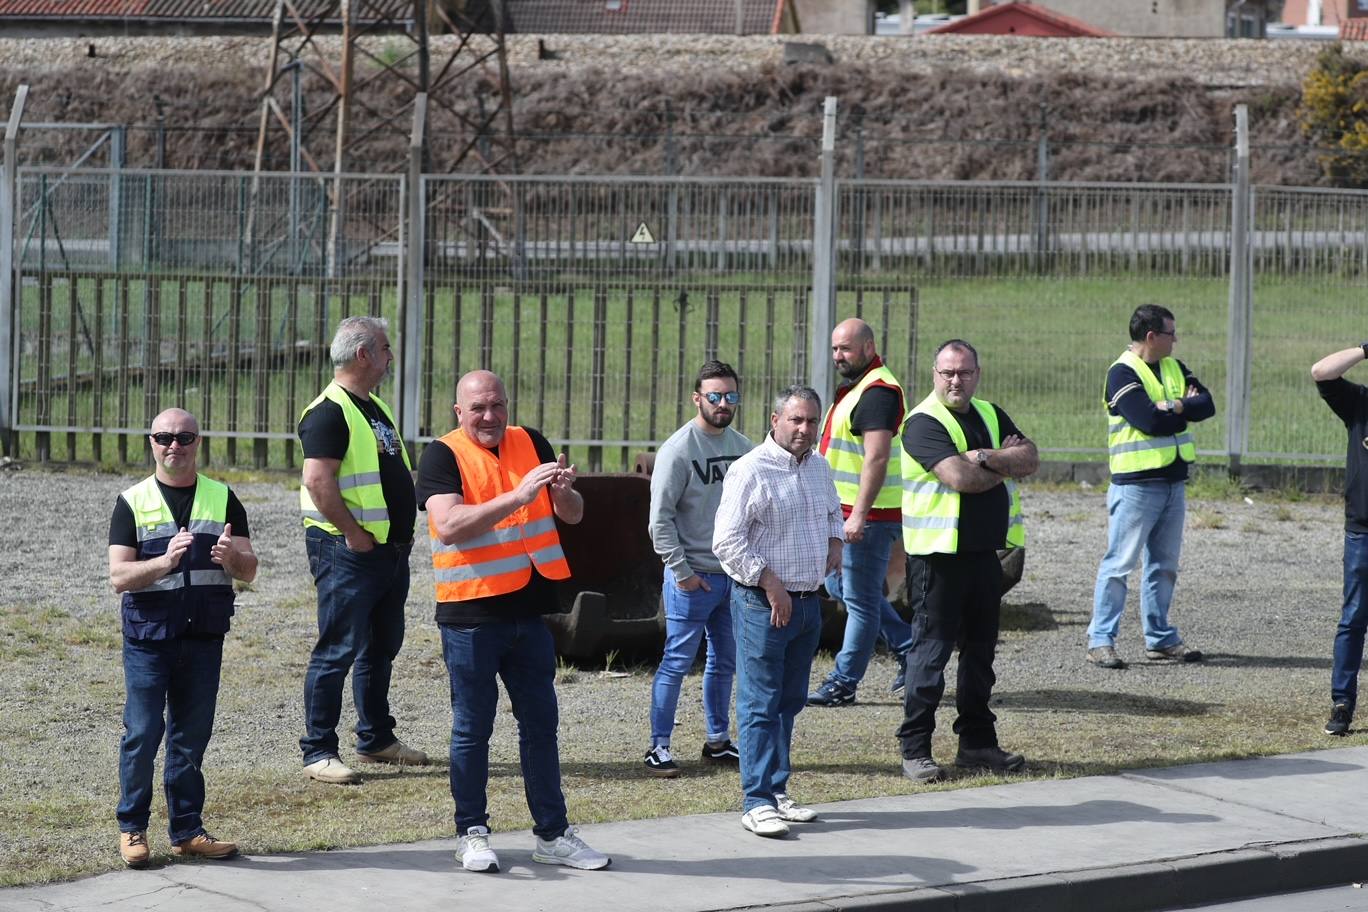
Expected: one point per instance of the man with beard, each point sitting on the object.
(358, 506)
(686, 485)
(860, 442)
(778, 533)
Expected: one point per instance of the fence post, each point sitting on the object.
(672, 198)
(9, 195)
(823, 316)
(1239, 338)
(412, 238)
(1042, 226)
(118, 153)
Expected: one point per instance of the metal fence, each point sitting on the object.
(597, 298)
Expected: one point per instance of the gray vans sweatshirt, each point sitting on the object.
(686, 487)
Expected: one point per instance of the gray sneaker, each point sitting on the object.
(568, 849)
(922, 769)
(1105, 657)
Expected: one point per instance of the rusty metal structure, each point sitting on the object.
(382, 79)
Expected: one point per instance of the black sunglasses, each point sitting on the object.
(732, 397)
(184, 438)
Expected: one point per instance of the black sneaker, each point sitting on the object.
(994, 759)
(900, 679)
(1340, 718)
(726, 754)
(659, 763)
(831, 693)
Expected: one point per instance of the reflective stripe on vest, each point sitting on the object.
(931, 508)
(499, 561)
(153, 521)
(1131, 450)
(845, 452)
(358, 477)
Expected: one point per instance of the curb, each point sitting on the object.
(1144, 887)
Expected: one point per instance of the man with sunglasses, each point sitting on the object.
(177, 541)
(1151, 398)
(686, 485)
(860, 442)
(962, 457)
(358, 506)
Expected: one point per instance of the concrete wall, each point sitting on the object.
(835, 17)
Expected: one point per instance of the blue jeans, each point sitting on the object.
(521, 652)
(179, 677)
(860, 587)
(687, 615)
(772, 668)
(1353, 621)
(360, 629)
(1146, 518)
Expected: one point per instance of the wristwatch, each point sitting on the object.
(982, 457)
(1364, 346)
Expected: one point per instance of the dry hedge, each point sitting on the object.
(949, 123)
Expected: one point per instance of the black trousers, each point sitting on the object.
(956, 599)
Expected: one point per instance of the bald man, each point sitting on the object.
(860, 442)
(493, 492)
(177, 541)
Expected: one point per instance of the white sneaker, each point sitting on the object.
(332, 771)
(792, 811)
(568, 849)
(474, 853)
(764, 821)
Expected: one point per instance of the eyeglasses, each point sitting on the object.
(1163, 332)
(731, 398)
(184, 438)
(961, 374)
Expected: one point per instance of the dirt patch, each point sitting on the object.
(1258, 592)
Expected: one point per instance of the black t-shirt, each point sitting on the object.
(879, 409)
(1349, 401)
(439, 473)
(123, 530)
(323, 434)
(983, 517)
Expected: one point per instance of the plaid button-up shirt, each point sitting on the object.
(777, 512)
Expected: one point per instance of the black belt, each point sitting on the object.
(805, 594)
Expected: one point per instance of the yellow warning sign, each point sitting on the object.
(643, 235)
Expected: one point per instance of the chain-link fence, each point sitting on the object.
(597, 298)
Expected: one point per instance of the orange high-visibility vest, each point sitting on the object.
(499, 561)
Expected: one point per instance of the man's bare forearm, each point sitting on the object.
(1015, 461)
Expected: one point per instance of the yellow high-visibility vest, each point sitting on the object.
(1132, 450)
(358, 477)
(931, 509)
(845, 451)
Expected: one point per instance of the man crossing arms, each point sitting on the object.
(961, 459)
(1151, 398)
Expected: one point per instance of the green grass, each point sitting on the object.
(616, 365)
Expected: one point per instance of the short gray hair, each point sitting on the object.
(797, 391)
(353, 333)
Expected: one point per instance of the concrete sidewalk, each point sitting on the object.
(1144, 840)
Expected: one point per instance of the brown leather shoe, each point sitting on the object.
(133, 849)
(205, 846)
